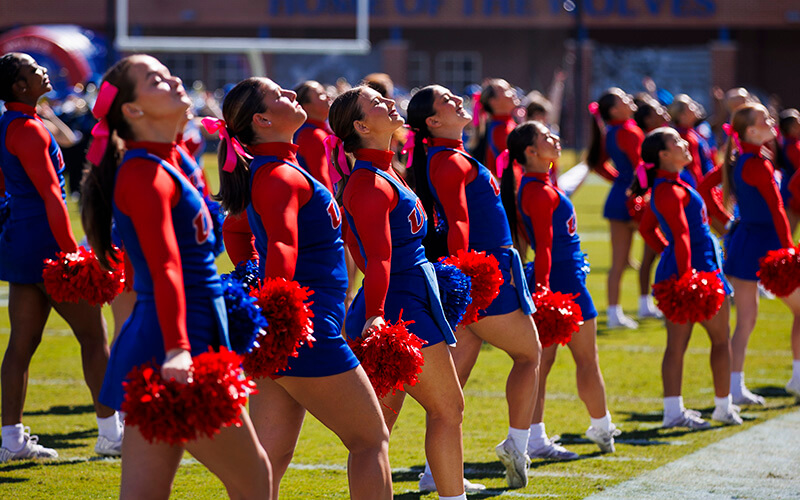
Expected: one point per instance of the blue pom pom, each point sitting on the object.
(246, 273)
(245, 320)
(454, 290)
(217, 218)
(530, 276)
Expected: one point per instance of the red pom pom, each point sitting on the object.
(484, 271)
(780, 271)
(557, 316)
(175, 413)
(636, 206)
(73, 277)
(391, 356)
(284, 304)
(695, 297)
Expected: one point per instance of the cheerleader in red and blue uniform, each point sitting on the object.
(688, 244)
(387, 224)
(179, 312)
(685, 112)
(296, 224)
(499, 100)
(789, 161)
(310, 137)
(38, 227)
(761, 226)
(550, 222)
(622, 144)
(465, 197)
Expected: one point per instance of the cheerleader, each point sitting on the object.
(38, 227)
(789, 161)
(549, 220)
(311, 136)
(465, 198)
(761, 226)
(296, 224)
(622, 143)
(387, 224)
(500, 100)
(179, 309)
(689, 245)
(685, 112)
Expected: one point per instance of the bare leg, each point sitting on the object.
(719, 330)
(672, 364)
(591, 386)
(548, 358)
(121, 308)
(465, 353)
(746, 293)
(515, 333)
(28, 309)
(621, 238)
(89, 327)
(439, 393)
(147, 469)
(793, 303)
(648, 258)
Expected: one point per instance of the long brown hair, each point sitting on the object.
(97, 185)
(345, 110)
(743, 117)
(524, 135)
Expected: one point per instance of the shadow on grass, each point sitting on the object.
(64, 410)
(644, 437)
(10, 480)
(65, 440)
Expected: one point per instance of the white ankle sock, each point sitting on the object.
(110, 427)
(428, 469)
(602, 423)
(673, 406)
(646, 303)
(737, 383)
(723, 404)
(615, 311)
(796, 369)
(13, 437)
(462, 496)
(519, 438)
(538, 436)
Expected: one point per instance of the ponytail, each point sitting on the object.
(508, 195)
(743, 117)
(728, 161)
(97, 184)
(234, 186)
(344, 111)
(653, 144)
(601, 113)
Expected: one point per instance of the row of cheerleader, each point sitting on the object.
(309, 196)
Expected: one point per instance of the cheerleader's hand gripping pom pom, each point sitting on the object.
(245, 321)
(72, 277)
(695, 297)
(174, 413)
(286, 308)
(454, 291)
(557, 316)
(780, 271)
(391, 356)
(485, 276)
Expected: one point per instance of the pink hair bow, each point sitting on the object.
(594, 109)
(408, 147)
(232, 146)
(734, 135)
(501, 163)
(100, 131)
(477, 109)
(641, 173)
(330, 144)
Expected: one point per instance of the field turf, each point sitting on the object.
(58, 406)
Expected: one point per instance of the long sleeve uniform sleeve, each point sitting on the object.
(670, 202)
(706, 189)
(238, 238)
(312, 148)
(449, 173)
(758, 173)
(652, 235)
(538, 203)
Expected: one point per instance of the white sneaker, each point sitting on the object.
(427, 485)
(748, 398)
(650, 311)
(793, 388)
(30, 449)
(602, 438)
(107, 447)
(764, 293)
(552, 450)
(687, 418)
(621, 321)
(516, 464)
(729, 417)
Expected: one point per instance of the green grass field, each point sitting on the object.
(59, 410)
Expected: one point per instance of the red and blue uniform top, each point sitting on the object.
(467, 197)
(496, 135)
(33, 167)
(712, 195)
(702, 162)
(624, 145)
(550, 222)
(311, 156)
(166, 229)
(790, 152)
(681, 213)
(293, 241)
(757, 193)
(387, 242)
